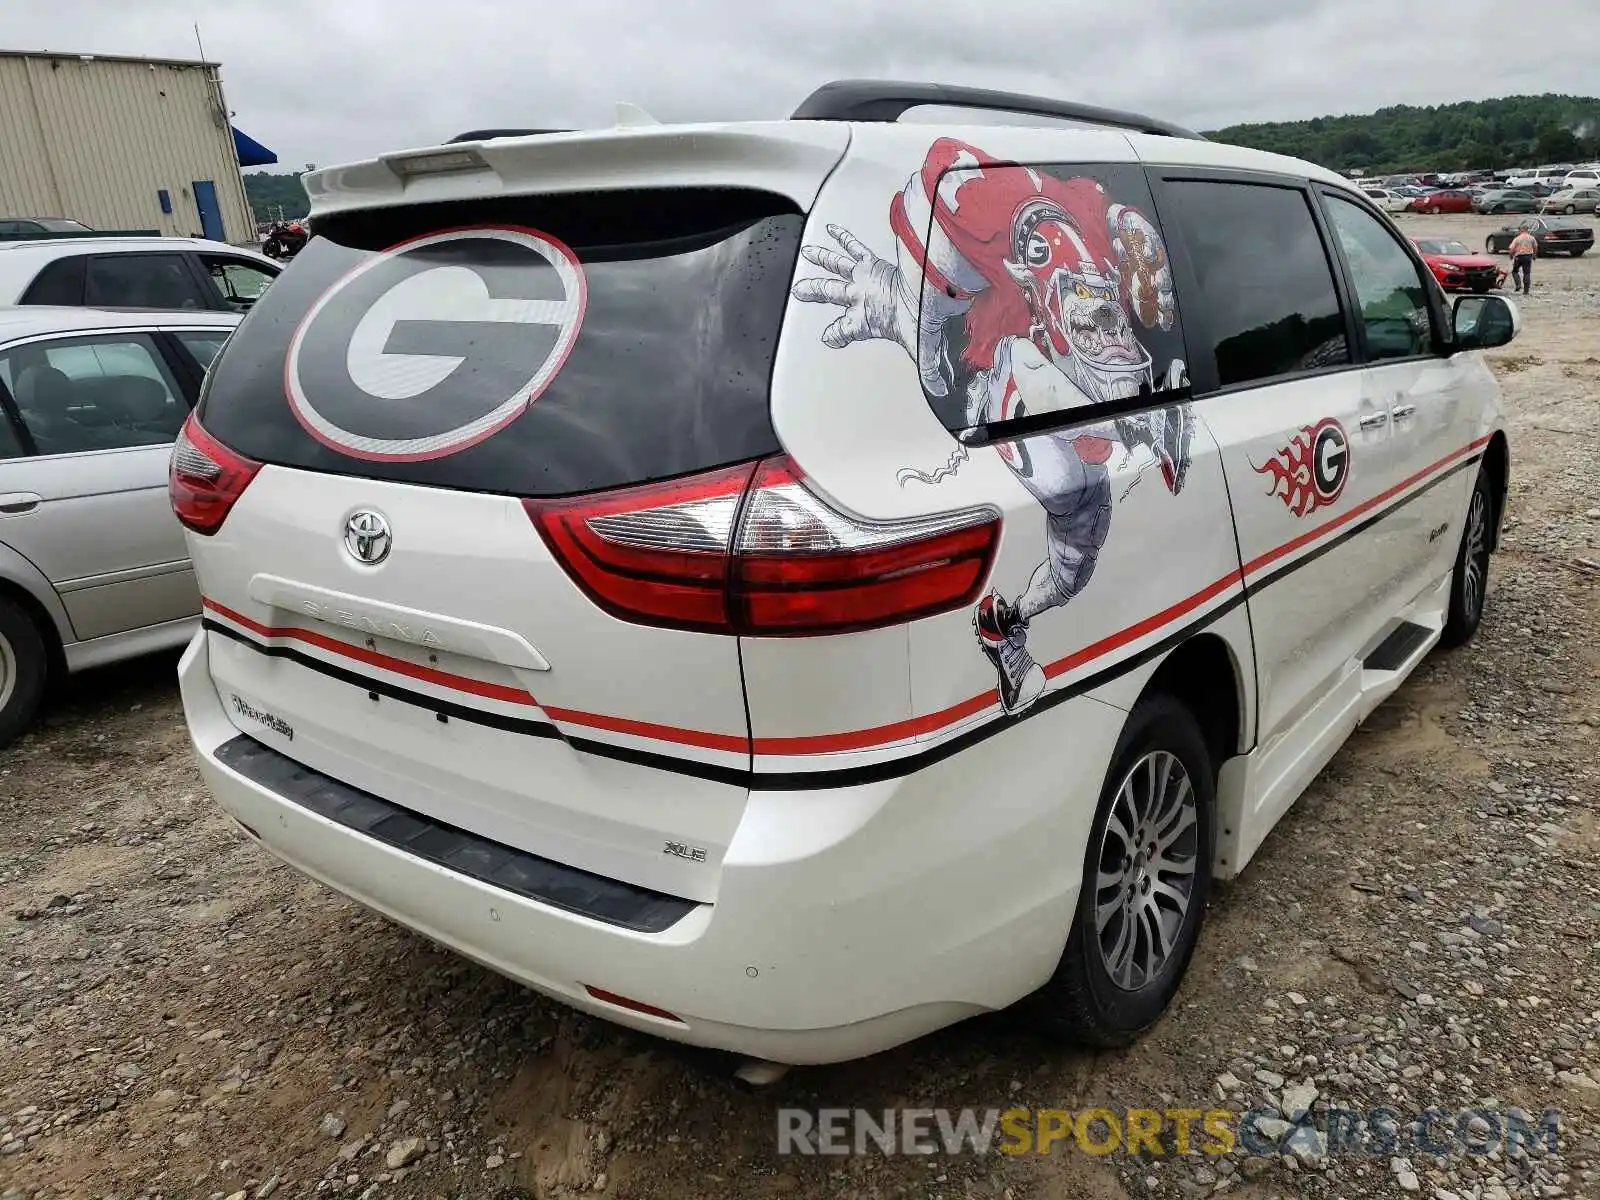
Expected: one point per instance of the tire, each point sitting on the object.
(24, 670)
(1084, 1001)
(1469, 581)
(1570, 209)
(1434, 211)
(1580, 253)
(273, 249)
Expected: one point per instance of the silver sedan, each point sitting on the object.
(93, 566)
(1572, 200)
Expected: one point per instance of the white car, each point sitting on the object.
(173, 274)
(1387, 199)
(1545, 175)
(93, 566)
(787, 587)
(1586, 177)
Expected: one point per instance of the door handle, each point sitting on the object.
(13, 503)
(1375, 420)
(1404, 410)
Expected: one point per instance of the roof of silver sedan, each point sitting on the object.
(23, 320)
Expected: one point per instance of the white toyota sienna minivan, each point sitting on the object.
(790, 586)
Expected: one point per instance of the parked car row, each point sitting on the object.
(93, 566)
(1482, 200)
(103, 345)
(135, 272)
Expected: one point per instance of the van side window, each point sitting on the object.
(109, 392)
(1389, 288)
(60, 282)
(144, 281)
(1265, 282)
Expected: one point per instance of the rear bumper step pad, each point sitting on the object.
(511, 870)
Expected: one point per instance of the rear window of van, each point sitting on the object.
(533, 346)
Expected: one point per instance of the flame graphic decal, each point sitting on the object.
(1298, 479)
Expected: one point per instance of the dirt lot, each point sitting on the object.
(180, 1016)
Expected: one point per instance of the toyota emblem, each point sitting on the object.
(367, 537)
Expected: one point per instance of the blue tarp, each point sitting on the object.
(251, 152)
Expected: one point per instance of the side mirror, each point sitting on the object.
(1484, 322)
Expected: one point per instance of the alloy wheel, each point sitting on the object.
(1145, 882)
(1475, 557)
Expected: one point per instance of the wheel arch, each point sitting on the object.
(43, 620)
(1497, 465)
(1205, 675)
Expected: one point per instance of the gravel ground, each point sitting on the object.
(180, 1016)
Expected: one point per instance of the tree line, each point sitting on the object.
(269, 192)
(1470, 135)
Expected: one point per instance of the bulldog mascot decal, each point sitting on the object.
(1028, 287)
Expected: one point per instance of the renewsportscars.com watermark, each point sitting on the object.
(1374, 1132)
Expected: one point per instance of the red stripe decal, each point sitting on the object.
(734, 743)
(1138, 630)
(479, 687)
(862, 739)
(444, 679)
(1344, 518)
(857, 739)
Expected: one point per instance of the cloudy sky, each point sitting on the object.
(328, 81)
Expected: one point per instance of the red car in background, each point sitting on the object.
(1457, 268)
(1445, 200)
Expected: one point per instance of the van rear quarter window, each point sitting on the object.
(531, 346)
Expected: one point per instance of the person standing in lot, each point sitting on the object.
(1523, 249)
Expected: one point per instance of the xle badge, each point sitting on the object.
(435, 344)
(1309, 473)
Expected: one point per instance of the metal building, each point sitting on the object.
(123, 143)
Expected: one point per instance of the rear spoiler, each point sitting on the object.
(484, 135)
(790, 158)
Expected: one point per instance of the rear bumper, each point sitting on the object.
(847, 921)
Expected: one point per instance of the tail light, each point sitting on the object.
(755, 550)
(205, 478)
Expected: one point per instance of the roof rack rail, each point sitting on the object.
(483, 135)
(887, 100)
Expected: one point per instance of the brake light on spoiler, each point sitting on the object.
(755, 550)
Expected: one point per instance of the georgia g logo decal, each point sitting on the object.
(435, 344)
(1310, 471)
